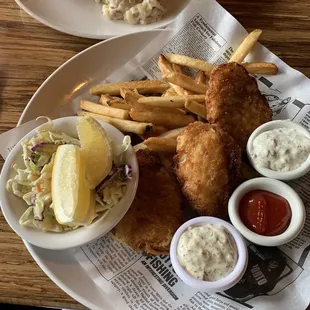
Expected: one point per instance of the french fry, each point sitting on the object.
(246, 46)
(122, 125)
(174, 101)
(104, 118)
(131, 98)
(122, 106)
(107, 100)
(170, 110)
(196, 108)
(166, 67)
(143, 87)
(154, 132)
(107, 111)
(185, 82)
(167, 120)
(201, 77)
(124, 91)
(104, 99)
(169, 92)
(179, 90)
(177, 68)
(194, 63)
(140, 146)
(261, 68)
(161, 145)
(172, 133)
(114, 102)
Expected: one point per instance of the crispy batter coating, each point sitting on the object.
(156, 212)
(235, 103)
(208, 165)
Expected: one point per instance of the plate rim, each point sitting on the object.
(29, 246)
(85, 35)
(20, 121)
(56, 280)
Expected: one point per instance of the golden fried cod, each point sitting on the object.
(208, 167)
(234, 102)
(156, 212)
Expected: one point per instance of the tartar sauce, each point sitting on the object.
(281, 149)
(207, 252)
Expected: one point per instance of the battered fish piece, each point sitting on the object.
(156, 212)
(208, 166)
(235, 103)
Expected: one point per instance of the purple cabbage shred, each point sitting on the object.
(35, 147)
(40, 217)
(123, 172)
(128, 172)
(33, 200)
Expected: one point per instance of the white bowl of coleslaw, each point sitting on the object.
(41, 229)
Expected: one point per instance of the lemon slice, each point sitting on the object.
(73, 200)
(96, 148)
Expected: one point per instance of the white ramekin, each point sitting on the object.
(280, 175)
(207, 286)
(276, 187)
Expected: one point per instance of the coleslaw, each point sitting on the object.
(32, 182)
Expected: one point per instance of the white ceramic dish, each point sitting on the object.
(285, 176)
(217, 286)
(83, 18)
(279, 188)
(13, 207)
(77, 76)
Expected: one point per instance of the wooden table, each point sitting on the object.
(30, 52)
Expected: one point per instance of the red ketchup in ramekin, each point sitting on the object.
(265, 213)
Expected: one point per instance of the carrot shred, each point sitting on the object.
(38, 188)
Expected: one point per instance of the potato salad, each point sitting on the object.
(133, 11)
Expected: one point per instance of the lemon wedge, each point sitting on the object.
(97, 150)
(73, 200)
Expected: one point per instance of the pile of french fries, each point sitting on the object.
(158, 110)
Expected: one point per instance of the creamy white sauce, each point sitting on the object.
(207, 252)
(281, 149)
(133, 11)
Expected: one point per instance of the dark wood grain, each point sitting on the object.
(30, 52)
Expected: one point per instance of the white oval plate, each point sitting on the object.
(72, 79)
(83, 18)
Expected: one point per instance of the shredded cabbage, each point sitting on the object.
(33, 182)
(113, 187)
(119, 150)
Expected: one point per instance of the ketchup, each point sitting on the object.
(265, 213)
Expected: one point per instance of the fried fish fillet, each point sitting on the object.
(156, 212)
(208, 166)
(234, 102)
